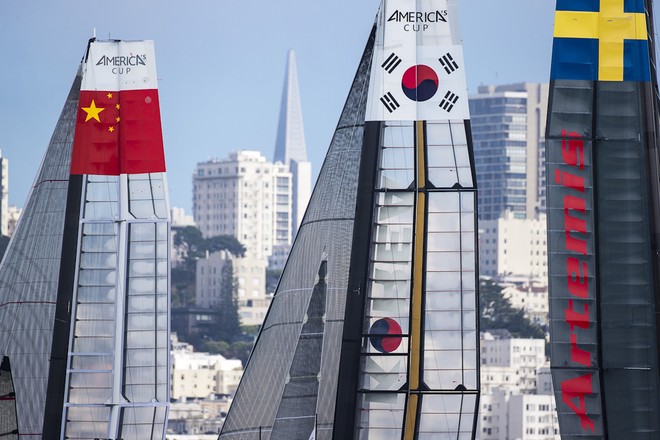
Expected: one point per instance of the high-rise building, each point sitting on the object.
(510, 415)
(508, 125)
(180, 218)
(517, 400)
(510, 363)
(514, 248)
(246, 197)
(290, 145)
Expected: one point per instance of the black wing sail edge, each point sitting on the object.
(349, 367)
(62, 325)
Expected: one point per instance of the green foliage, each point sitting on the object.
(498, 313)
(183, 287)
(184, 276)
(241, 350)
(192, 238)
(238, 350)
(215, 347)
(250, 330)
(228, 326)
(225, 242)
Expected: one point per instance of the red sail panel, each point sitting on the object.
(118, 133)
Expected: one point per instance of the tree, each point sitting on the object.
(238, 350)
(498, 313)
(225, 242)
(195, 246)
(192, 239)
(228, 327)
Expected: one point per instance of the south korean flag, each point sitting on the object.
(428, 84)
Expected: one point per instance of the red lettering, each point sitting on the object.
(578, 355)
(572, 224)
(569, 180)
(576, 319)
(574, 391)
(578, 388)
(572, 150)
(578, 277)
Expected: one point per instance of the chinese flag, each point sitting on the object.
(118, 132)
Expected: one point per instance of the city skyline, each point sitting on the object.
(205, 110)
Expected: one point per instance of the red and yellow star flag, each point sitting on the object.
(118, 128)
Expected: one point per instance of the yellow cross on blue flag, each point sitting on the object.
(601, 40)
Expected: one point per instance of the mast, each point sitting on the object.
(394, 215)
(416, 355)
(602, 197)
(90, 357)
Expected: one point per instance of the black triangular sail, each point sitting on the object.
(603, 203)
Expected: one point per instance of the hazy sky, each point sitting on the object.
(221, 68)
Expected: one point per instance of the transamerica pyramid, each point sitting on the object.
(290, 145)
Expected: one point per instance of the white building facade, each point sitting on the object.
(530, 297)
(246, 197)
(511, 363)
(248, 285)
(517, 400)
(198, 375)
(510, 247)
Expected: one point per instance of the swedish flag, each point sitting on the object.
(604, 40)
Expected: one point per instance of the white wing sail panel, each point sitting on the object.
(118, 356)
(418, 70)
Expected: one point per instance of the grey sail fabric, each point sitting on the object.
(627, 290)
(327, 228)
(297, 411)
(8, 419)
(29, 276)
